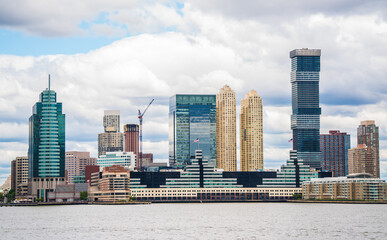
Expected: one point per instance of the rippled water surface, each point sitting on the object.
(196, 221)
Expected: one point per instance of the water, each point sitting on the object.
(196, 221)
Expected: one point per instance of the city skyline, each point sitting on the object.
(248, 52)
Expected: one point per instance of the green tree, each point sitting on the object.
(84, 195)
(297, 196)
(1, 197)
(11, 195)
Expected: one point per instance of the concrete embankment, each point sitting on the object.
(338, 201)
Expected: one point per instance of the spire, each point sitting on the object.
(49, 83)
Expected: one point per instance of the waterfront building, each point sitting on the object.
(131, 141)
(361, 186)
(39, 187)
(251, 133)
(76, 163)
(334, 152)
(19, 175)
(158, 179)
(114, 185)
(192, 122)
(111, 140)
(200, 174)
(46, 153)
(226, 146)
(293, 174)
(67, 192)
(124, 159)
(214, 194)
(306, 111)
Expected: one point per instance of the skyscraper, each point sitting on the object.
(192, 118)
(365, 158)
(368, 134)
(111, 121)
(46, 153)
(131, 140)
(334, 150)
(111, 140)
(226, 129)
(306, 111)
(251, 133)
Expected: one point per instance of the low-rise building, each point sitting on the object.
(214, 194)
(360, 186)
(39, 187)
(114, 185)
(67, 192)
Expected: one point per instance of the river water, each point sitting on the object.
(196, 221)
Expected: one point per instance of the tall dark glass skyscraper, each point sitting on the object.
(192, 117)
(306, 111)
(46, 153)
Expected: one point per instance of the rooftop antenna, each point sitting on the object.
(49, 82)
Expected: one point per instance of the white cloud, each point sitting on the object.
(211, 48)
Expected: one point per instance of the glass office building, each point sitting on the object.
(192, 117)
(306, 111)
(46, 153)
(293, 174)
(200, 175)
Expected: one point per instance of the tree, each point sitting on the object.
(297, 196)
(11, 195)
(84, 195)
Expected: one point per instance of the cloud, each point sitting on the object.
(197, 49)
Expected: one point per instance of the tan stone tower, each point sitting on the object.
(251, 132)
(226, 149)
(365, 158)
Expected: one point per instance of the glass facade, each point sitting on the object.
(125, 159)
(192, 117)
(293, 174)
(200, 175)
(305, 119)
(46, 153)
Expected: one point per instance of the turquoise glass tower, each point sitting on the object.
(192, 118)
(46, 153)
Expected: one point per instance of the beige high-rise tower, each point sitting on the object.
(251, 132)
(226, 149)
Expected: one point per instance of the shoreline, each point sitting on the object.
(339, 201)
(187, 201)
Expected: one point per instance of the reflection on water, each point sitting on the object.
(196, 221)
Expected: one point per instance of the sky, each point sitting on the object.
(119, 54)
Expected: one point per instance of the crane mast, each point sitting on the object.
(140, 117)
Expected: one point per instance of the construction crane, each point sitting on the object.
(140, 115)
